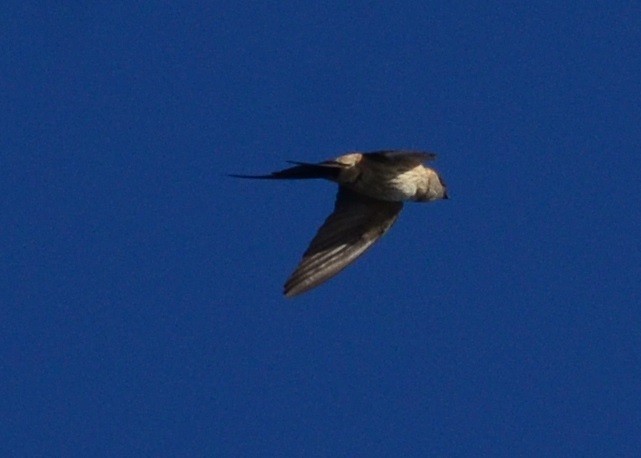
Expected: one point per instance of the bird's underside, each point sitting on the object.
(372, 188)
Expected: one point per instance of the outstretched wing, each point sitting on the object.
(356, 223)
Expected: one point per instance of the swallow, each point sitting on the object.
(372, 188)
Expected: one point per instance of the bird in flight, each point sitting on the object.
(371, 190)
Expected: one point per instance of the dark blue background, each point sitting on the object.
(141, 288)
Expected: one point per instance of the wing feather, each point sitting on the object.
(355, 225)
(401, 156)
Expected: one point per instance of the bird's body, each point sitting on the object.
(372, 189)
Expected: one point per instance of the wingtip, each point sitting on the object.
(293, 287)
(290, 291)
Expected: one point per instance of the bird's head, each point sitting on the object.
(442, 192)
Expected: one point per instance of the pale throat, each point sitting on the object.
(407, 185)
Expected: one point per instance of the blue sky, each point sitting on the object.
(141, 286)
